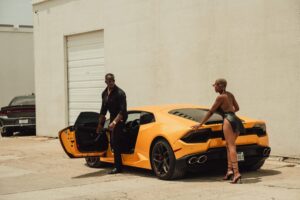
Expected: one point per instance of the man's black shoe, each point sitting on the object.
(115, 171)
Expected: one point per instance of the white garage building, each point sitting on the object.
(170, 51)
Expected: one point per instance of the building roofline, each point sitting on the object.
(16, 28)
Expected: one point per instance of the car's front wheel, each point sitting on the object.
(94, 162)
(163, 161)
(7, 133)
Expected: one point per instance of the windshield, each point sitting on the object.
(25, 100)
(197, 115)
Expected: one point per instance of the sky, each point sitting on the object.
(18, 12)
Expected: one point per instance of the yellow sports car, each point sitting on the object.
(160, 138)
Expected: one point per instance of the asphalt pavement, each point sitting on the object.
(37, 168)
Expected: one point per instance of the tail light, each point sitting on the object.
(3, 114)
(197, 136)
(260, 129)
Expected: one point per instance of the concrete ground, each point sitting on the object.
(37, 168)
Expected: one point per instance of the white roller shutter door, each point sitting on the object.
(85, 73)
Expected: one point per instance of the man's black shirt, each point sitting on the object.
(115, 103)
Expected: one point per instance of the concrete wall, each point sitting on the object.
(175, 49)
(16, 63)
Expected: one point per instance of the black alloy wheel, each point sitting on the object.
(94, 162)
(163, 161)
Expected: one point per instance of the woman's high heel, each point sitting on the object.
(236, 180)
(228, 176)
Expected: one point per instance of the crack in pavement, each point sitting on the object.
(283, 187)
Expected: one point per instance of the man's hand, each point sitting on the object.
(98, 129)
(112, 125)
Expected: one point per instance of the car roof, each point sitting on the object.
(167, 107)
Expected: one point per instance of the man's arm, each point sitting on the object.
(103, 112)
(123, 110)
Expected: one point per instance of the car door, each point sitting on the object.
(81, 140)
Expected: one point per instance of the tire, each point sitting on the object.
(163, 162)
(256, 166)
(94, 162)
(7, 133)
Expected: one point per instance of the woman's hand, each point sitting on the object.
(197, 126)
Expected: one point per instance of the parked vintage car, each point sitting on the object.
(160, 138)
(18, 116)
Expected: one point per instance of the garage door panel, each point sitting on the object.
(98, 45)
(87, 84)
(86, 55)
(84, 77)
(85, 39)
(90, 94)
(86, 73)
(85, 106)
(85, 98)
(84, 92)
(85, 63)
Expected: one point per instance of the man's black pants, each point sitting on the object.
(116, 142)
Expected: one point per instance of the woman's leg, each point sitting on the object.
(229, 172)
(230, 138)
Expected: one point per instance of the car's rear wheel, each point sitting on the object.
(94, 162)
(163, 161)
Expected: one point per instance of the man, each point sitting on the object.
(114, 100)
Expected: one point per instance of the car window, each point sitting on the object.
(89, 119)
(20, 101)
(197, 115)
(144, 117)
(133, 116)
(147, 118)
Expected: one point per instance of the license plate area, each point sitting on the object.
(240, 156)
(23, 121)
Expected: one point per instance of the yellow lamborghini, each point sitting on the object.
(160, 138)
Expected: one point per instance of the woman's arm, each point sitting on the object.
(235, 104)
(214, 107)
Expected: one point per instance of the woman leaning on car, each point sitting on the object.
(226, 105)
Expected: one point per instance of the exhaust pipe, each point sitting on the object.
(192, 160)
(202, 159)
(266, 152)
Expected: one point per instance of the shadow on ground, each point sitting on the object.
(103, 171)
(249, 177)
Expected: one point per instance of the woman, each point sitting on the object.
(226, 105)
